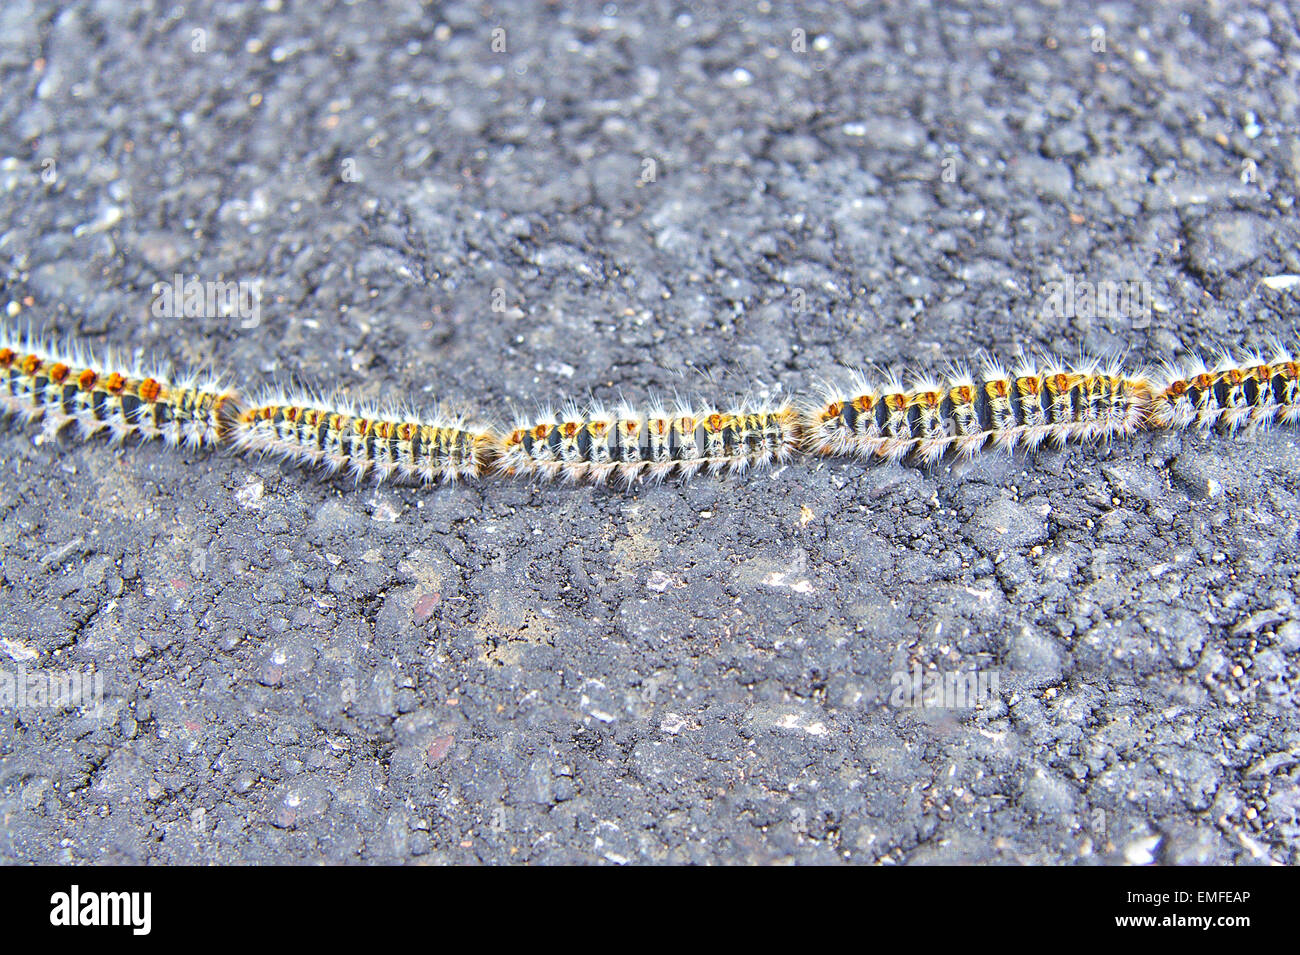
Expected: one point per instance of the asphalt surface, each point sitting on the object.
(641, 199)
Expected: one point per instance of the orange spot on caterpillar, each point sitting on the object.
(150, 389)
(6, 357)
(59, 372)
(30, 364)
(115, 384)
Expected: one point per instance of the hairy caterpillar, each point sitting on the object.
(1242, 391)
(62, 385)
(596, 443)
(1036, 400)
(340, 436)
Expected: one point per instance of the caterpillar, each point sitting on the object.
(596, 443)
(337, 435)
(66, 384)
(1243, 391)
(1036, 400)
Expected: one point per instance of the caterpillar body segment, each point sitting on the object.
(1036, 400)
(338, 436)
(626, 443)
(63, 385)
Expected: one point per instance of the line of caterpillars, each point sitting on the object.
(923, 420)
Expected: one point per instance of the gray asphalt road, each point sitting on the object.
(506, 203)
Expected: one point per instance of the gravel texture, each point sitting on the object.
(648, 198)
